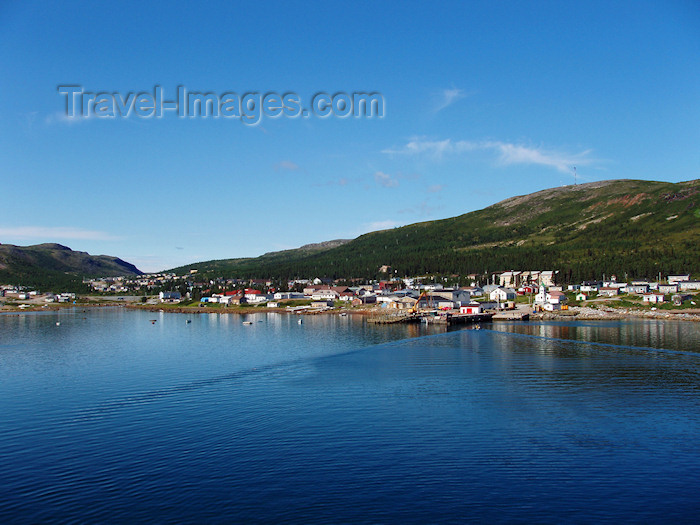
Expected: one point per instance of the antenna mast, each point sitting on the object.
(574, 175)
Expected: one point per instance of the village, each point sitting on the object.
(509, 295)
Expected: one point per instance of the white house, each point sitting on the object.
(685, 286)
(472, 308)
(668, 288)
(347, 296)
(165, 297)
(608, 291)
(288, 295)
(653, 298)
(581, 297)
(588, 288)
(324, 294)
(638, 288)
(259, 298)
(502, 295)
(556, 297)
(251, 295)
(545, 297)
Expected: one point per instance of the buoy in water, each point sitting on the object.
(58, 323)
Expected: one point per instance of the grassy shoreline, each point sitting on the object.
(575, 313)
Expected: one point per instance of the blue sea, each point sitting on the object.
(125, 416)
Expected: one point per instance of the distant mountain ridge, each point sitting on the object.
(633, 227)
(50, 263)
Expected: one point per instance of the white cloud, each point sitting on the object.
(51, 233)
(386, 180)
(508, 153)
(519, 154)
(436, 148)
(60, 117)
(435, 188)
(447, 97)
(335, 182)
(286, 165)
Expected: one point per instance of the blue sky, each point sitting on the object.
(483, 101)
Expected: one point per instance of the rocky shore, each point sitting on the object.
(574, 313)
(584, 313)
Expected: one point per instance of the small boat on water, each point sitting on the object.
(247, 322)
(300, 321)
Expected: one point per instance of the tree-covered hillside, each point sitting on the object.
(624, 227)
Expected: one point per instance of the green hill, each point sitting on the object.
(633, 227)
(54, 265)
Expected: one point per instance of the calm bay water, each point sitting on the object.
(111, 418)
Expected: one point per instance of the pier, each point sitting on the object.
(431, 317)
(513, 315)
(455, 318)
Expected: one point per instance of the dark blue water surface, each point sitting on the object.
(109, 417)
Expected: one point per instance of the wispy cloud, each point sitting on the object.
(435, 188)
(60, 117)
(519, 154)
(447, 97)
(50, 233)
(508, 153)
(385, 180)
(335, 182)
(287, 165)
(435, 148)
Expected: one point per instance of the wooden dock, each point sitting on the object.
(455, 318)
(513, 315)
(433, 317)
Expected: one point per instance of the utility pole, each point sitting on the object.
(574, 175)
